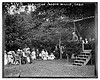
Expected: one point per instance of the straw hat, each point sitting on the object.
(18, 50)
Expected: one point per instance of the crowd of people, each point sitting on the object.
(26, 56)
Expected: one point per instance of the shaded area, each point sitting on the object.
(86, 28)
(47, 23)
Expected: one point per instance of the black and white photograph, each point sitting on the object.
(50, 40)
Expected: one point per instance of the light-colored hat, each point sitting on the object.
(27, 49)
(9, 52)
(5, 51)
(18, 50)
(21, 50)
(73, 32)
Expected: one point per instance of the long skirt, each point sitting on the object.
(10, 60)
(44, 58)
(28, 59)
(33, 57)
(5, 60)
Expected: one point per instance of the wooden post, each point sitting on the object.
(20, 67)
(74, 27)
(82, 46)
(67, 57)
(60, 47)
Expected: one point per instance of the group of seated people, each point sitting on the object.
(26, 56)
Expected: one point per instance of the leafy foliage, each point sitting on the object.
(41, 27)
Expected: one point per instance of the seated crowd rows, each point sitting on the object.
(26, 56)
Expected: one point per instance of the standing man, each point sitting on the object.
(75, 37)
(27, 53)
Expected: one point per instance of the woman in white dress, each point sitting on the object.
(44, 57)
(28, 53)
(5, 58)
(33, 54)
(52, 56)
(10, 57)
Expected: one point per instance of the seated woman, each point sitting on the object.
(51, 56)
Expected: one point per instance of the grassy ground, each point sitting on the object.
(55, 68)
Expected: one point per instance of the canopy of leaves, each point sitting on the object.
(41, 27)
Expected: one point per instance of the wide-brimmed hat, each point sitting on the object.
(9, 53)
(73, 32)
(18, 50)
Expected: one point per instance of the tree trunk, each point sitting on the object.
(60, 52)
(67, 57)
(60, 48)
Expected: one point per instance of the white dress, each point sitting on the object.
(33, 56)
(44, 57)
(72, 57)
(5, 59)
(10, 58)
(49, 57)
(52, 56)
(46, 54)
(24, 54)
(28, 58)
